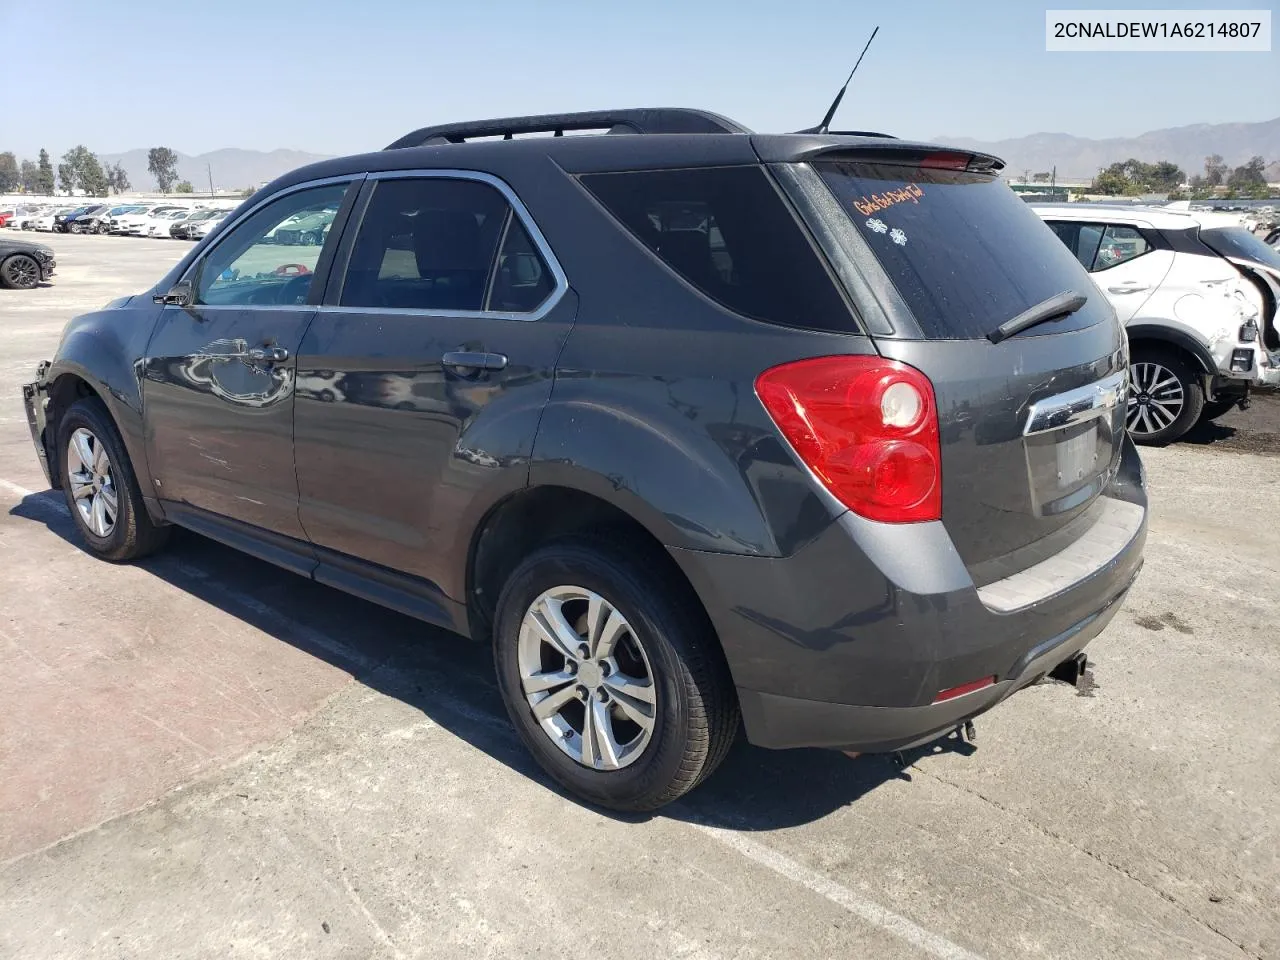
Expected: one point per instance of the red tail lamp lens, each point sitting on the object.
(867, 427)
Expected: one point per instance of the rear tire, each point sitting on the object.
(1165, 395)
(100, 487)
(683, 717)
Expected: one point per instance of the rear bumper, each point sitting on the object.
(780, 722)
(848, 642)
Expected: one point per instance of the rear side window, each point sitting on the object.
(965, 253)
(727, 232)
(433, 243)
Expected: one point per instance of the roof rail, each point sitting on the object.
(639, 120)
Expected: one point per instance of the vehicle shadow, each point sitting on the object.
(450, 680)
(1208, 432)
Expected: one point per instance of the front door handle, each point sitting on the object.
(1129, 288)
(466, 360)
(267, 355)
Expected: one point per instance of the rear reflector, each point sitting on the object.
(964, 688)
(868, 429)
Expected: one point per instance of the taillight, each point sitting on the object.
(867, 427)
(946, 161)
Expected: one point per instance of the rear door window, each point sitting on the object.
(964, 252)
(443, 244)
(728, 232)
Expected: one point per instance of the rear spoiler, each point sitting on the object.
(873, 149)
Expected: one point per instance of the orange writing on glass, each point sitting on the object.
(882, 201)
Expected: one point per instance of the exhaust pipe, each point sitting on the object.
(1071, 670)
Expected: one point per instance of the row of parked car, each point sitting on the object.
(157, 219)
(160, 219)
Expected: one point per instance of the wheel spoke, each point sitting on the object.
(551, 704)
(81, 486)
(84, 450)
(108, 496)
(98, 516)
(589, 736)
(542, 682)
(101, 465)
(622, 685)
(639, 712)
(555, 631)
(607, 748)
(607, 639)
(1170, 381)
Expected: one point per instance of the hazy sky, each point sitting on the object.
(344, 77)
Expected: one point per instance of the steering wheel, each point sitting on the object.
(292, 270)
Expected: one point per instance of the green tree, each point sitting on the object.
(66, 177)
(162, 163)
(184, 186)
(10, 176)
(1247, 180)
(1041, 177)
(30, 177)
(87, 170)
(117, 178)
(1165, 177)
(44, 184)
(1113, 182)
(1215, 170)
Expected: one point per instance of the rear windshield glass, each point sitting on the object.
(1239, 242)
(728, 232)
(965, 253)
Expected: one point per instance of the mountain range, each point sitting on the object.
(232, 169)
(1079, 158)
(1076, 158)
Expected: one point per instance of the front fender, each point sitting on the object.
(697, 463)
(104, 350)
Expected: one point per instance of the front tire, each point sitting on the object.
(612, 675)
(100, 487)
(1165, 395)
(20, 272)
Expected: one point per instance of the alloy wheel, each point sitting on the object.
(1156, 398)
(587, 678)
(92, 484)
(23, 272)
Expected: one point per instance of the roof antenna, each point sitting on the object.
(835, 104)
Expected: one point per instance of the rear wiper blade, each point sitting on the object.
(1055, 308)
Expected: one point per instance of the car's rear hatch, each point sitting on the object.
(940, 255)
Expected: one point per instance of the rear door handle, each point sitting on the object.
(1129, 288)
(267, 355)
(466, 360)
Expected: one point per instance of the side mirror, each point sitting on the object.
(179, 295)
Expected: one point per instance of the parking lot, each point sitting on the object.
(205, 756)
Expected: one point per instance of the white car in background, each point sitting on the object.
(1197, 294)
(203, 228)
(158, 224)
(135, 224)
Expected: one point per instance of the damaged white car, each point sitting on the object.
(1197, 294)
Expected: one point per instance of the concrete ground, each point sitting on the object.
(204, 756)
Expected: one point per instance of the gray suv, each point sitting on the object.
(817, 434)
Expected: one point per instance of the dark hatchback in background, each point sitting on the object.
(825, 432)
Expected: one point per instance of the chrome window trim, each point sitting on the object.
(1097, 400)
(189, 273)
(526, 219)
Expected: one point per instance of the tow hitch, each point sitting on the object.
(1071, 670)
